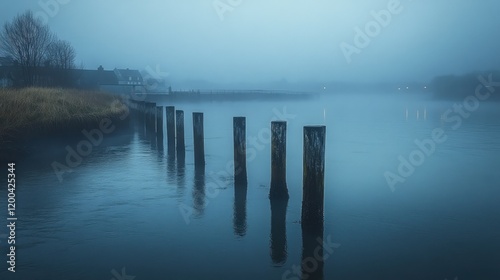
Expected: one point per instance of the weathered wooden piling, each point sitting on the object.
(133, 106)
(151, 117)
(313, 175)
(141, 114)
(146, 116)
(279, 188)
(159, 126)
(141, 106)
(179, 125)
(198, 137)
(240, 158)
(170, 113)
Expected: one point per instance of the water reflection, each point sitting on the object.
(240, 210)
(160, 155)
(110, 185)
(181, 176)
(199, 191)
(159, 141)
(151, 134)
(181, 154)
(171, 168)
(312, 253)
(171, 151)
(418, 115)
(153, 140)
(278, 231)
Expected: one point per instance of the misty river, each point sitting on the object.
(128, 210)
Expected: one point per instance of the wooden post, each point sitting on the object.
(133, 107)
(141, 115)
(146, 116)
(240, 158)
(198, 137)
(313, 176)
(153, 117)
(142, 106)
(170, 112)
(159, 126)
(179, 121)
(150, 117)
(279, 188)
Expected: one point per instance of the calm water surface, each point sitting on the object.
(131, 210)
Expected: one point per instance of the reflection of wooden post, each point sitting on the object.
(170, 112)
(199, 145)
(240, 210)
(313, 255)
(240, 159)
(199, 191)
(159, 126)
(314, 174)
(179, 121)
(278, 231)
(278, 161)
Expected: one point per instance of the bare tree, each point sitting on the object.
(26, 39)
(61, 55)
(59, 64)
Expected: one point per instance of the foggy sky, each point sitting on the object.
(262, 40)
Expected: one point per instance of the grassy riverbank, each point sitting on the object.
(36, 112)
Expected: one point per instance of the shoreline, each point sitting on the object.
(38, 114)
(227, 96)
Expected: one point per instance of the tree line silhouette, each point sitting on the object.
(39, 57)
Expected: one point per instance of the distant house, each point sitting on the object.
(94, 79)
(128, 77)
(117, 80)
